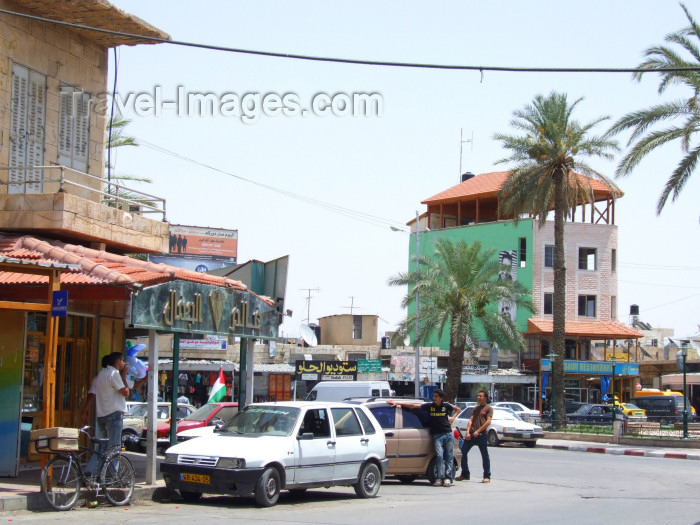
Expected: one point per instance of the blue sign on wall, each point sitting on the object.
(59, 303)
(594, 367)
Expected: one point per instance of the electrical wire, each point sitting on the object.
(414, 65)
(348, 212)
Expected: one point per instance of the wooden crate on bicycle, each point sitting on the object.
(54, 439)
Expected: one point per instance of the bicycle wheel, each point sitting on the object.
(118, 479)
(65, 483)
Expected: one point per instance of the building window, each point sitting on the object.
(27, 125)
(357, 327)
(74, 128)
(356, 357)
(523, 252)
(613, 260)
(549, 256)
(586, 258)
(548, 304)
(613, 307)
(586, 305)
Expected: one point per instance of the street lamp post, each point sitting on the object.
(417, 363)
(684, 353)
(552, 356)
(613, 359)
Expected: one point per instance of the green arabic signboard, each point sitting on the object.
(195, 308)
(369, 366)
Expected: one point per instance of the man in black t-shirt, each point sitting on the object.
(441, 416)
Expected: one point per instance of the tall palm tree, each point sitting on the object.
(459, 288)
(685, 113)
(544, 158)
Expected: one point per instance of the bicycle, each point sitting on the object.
(63, 476)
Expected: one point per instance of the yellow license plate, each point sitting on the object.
(196, 478)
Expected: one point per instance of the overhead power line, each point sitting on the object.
(414, 65)
(348, 212)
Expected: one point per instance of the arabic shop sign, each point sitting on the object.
(594, 367)
(475, 369)
(326, 370)
(183, 306)
(369, 366)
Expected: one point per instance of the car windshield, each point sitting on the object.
(505, 415)
(630, 406)
(138, 411)
(202, 413)
(134, 408)
(263, 420)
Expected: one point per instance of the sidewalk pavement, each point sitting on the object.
(24, 492)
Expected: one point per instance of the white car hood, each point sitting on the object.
(197, 432)
(512, 423)
(254, 449)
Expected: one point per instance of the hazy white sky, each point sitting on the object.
(378, 169)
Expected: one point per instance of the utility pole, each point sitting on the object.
(308, 302)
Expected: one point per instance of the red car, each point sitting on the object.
(209, 414)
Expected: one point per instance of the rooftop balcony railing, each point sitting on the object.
(59, 179)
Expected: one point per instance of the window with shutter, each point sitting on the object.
(74, 128)
(27, 130)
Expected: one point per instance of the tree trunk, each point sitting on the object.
(454, 368)
(559, 306)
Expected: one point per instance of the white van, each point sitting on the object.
(339, 390)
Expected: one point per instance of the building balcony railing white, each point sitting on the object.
(59, 179)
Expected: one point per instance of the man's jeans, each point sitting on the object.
(107, 427)
(481, 442)
(444, 456)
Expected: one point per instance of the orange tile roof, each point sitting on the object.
(592, 329)
(96, 267)
(489, 184)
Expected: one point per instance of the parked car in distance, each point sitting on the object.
(269, 447)
(464, 404)
(506, 426)
(409, 443)
(595, 414)
(632, 411)
(664, 408)
(207, 414)
(136, 422)
(573, 406)
(340, 390)
(524, 413)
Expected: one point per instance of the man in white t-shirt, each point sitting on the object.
(108, 393)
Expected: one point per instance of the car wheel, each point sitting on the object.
(367, 485)
(492, 439)
(406, 479)
(267, 490)
(190, 496)
(432, 471)
(128, 439)
(530, 444)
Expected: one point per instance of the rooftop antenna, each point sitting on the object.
(461, 142)
(308, 301)
(352, 304)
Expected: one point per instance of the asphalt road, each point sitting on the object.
(537, 486)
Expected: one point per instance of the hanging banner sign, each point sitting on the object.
(195, 308)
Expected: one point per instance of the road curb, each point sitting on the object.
(619, 451)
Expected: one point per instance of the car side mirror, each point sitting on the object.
(216, 421)
(306, 436)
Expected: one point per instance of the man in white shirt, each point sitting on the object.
(108, 392)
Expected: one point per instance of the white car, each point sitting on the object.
(505, 426)
(526, 414)
(268, 447)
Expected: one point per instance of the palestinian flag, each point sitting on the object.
(218, 390)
